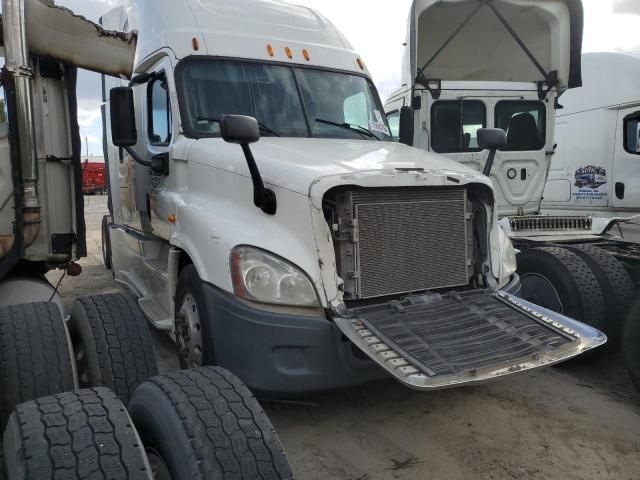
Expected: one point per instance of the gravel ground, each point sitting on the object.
(577, 421)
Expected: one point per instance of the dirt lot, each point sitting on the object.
(577, 421)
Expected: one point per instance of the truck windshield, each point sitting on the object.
(286, 101)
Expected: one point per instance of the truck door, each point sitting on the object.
(520, 169)
(159, 135)
(626, 162)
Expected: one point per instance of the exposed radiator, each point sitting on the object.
(394, 241)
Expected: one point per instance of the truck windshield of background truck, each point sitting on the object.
(286, 101)
(524, 122)
(454, 125)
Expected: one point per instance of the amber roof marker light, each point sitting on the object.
(195, 43)
(270, 50)
(305, 54)
(289, 53)
(360, 63)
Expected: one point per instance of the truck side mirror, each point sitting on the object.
(491, 139)
(239, 129)
(123, 117)
(244, 131)
(406, 126)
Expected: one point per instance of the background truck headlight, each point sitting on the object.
(267, 278)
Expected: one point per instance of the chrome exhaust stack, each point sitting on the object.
(17, 64)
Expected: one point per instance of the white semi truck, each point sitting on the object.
(265, 220)
(509, 64)
(595, 170)
(59, 419)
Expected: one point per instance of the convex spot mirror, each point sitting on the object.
(491, 138)
(239, 129)
(123, 117)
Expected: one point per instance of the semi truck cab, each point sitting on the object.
(266, 221)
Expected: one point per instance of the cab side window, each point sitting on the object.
(394, 124)
(632, 133)
(455, 125)
(524, 122)
(159, 119)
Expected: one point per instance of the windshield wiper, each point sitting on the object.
(354, 128)
(263, 127)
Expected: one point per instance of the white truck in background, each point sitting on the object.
(317, 256)
(508, 64)
(596, 170)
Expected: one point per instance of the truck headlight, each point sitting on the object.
(267, 278)
(508, 263)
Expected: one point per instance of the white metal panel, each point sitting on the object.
(479, 50)
(224, 28)
(57, 32)
(609, 80)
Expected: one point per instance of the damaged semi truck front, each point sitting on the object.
(265, 220)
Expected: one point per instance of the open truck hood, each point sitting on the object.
(457, 40)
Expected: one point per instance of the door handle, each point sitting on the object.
(620, 190)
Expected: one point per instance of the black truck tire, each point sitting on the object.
(112, 343)
(205, 423)
(81, 435)
(106, 242)
(577, 287)
(631, 342)
(35, 355)
(617, 286)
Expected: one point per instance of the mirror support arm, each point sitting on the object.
(489, 165)
(263, 198)
(136, 157)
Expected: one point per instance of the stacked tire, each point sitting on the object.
(63, 391)
(583, 282)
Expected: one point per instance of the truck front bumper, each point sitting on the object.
(284, 354)
(277, 353)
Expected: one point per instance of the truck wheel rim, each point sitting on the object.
(82, 365)
(539, 290)
(192, 332)
(159, 468)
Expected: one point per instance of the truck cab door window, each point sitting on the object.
(159, 112)
(632, 133)
(394, 124)
(454, 125)
(524, 122)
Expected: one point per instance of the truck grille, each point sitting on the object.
(404, 240)
(548, 222)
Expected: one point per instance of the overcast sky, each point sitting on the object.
(376, 29)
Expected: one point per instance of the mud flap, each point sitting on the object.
(432, 341)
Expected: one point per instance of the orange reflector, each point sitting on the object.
(289, 53)
(360, 63)
(171, 218)
(305, 54)
(270, 50)
(196, 44)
